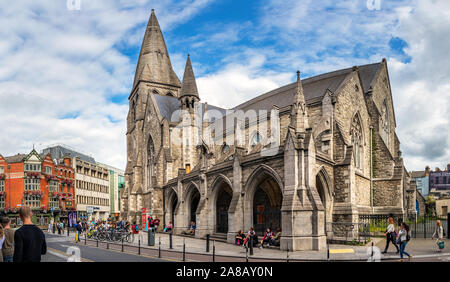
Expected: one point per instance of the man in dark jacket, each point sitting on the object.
(29, 240)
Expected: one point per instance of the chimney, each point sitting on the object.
(427, 171)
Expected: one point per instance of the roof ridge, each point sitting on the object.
(304, 81)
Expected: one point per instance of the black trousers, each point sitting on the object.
(390, 237)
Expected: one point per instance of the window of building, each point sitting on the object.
(32, 184)
(33, 201)
(225, 148)
(356, 134)
(385, 123)
(2, 169)
(48, 170)
(256, 139)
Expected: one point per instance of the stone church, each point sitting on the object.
(324, 151)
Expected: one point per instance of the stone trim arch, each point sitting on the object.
(325, 178)
(219, 180)
(257, 173)
(255, 178)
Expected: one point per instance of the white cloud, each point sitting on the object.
(60, 68)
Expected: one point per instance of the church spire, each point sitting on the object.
(299, 115)
(189, 86)
(154, 62)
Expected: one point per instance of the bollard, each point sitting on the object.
(122, 245)
(246, 253)
(424, 228)
(159, 250)
(85, 239)
(251, 245)
(139, 246)
(67, 229)
(214, 251)
(184, 249)
(170, 240)
(107, 245)
(207, 243)
(328, 250)
(287, 255)
(97, 242)
(371, 252)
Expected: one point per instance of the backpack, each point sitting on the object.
(136, 228)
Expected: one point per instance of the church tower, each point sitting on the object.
(191, 113)
(154, 76)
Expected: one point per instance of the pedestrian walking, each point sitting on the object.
(8, 244)
(29, 240)
(135, 229)
(403, 239)
(79, 229)
(2, 239)
(439, 235)
(390, 235)
(49, 229)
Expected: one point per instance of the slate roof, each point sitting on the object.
(168, 105)
(314, 88)
(58, 152)
(16, 159)
(188, 86)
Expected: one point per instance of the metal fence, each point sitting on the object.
(424, 227)
(347, 232)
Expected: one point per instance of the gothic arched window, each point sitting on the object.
(385, 123)
(151, 166)
(357, 142)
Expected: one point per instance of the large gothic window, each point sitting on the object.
(357, 142)
(151, 166)
(385, 123)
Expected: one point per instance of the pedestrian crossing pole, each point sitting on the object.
(214, 251)
(159, 249)
(184, 249)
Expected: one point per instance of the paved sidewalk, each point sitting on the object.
(417, 247)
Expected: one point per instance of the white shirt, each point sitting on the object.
(1, 241)
(390, 228)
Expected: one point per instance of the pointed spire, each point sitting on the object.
(299, 115)
(154, 61)
(189, 86)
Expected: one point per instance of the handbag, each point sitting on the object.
(441, 244)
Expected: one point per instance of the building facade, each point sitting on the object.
(304, 157)
(422, 179)
(116, 183)
(37, 180)
(91, 183)
(440, 182)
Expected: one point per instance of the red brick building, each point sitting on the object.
(36, 180)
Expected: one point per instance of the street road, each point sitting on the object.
(63, 249)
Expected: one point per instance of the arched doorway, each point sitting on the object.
(173, 207)
(267, 201)
(224, 196)
(193, 205)
(323, 189)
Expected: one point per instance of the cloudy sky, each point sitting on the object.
(65, 74)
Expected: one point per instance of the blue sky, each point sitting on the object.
(65, 75)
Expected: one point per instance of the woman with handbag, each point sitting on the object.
(439, 234)
(390, 235)
(403, 239)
